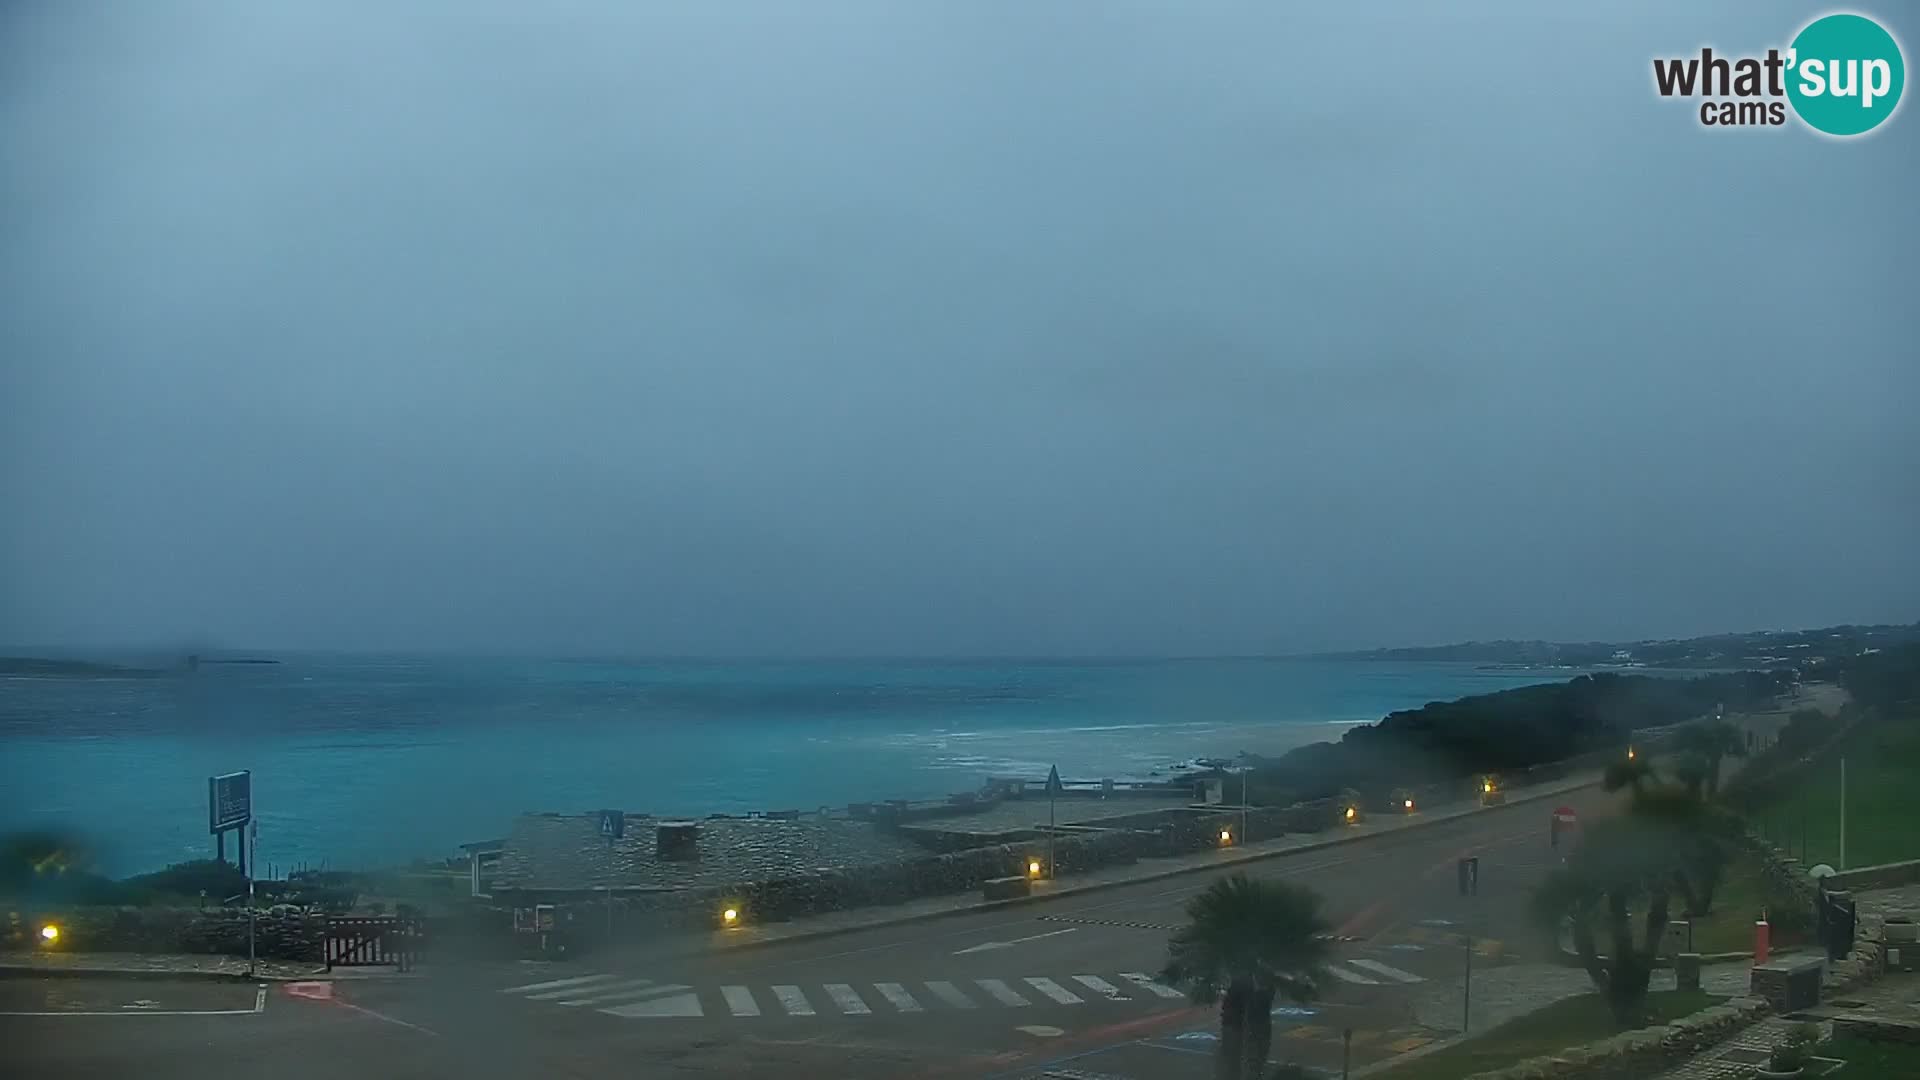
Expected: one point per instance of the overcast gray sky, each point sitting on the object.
(907, 327)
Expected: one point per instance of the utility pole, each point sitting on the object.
(1466, 992)
(253, 828)
(1243, 804)
(1053, 789)
(1843, 813)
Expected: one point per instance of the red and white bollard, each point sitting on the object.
(1762, 940)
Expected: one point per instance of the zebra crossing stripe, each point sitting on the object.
(1344, 975)
(1001, 992)
(1053, 990)
(949, 993)
(1145, 982)
(569, 993)
(1388, 970)
(848, 1001)
(557, 984)
(792, 1000)
(740, 1001)
(897, 997)
(1101, 986)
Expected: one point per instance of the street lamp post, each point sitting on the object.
(1243, 804)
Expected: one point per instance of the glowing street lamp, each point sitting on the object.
(1226, 837)
(1033, 868)
(49, 933)
(730, 917)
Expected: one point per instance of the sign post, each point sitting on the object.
(1053, 790)
(1564, 820)
(613, 826)
(230, 808)
(1469, 874)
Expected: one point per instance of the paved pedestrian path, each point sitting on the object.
(53, 962)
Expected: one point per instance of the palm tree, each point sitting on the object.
(1711, 741)
(1683, 819)
(1247, 942)
(1621, 863)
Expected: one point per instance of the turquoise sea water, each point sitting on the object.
(361, 761)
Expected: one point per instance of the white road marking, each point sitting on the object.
(557, 984)
(986, 946)
(950, 994)
(1053, 990)
(740, 1001)
(897, 996)
(1388, 970)
(1344, 975)
(142, 1012)
(681, 1005)
(259, 1006)
(1145, 982)
(640, 988)
(792, 1000)
(848, 1001)
(1001, 992)
(1101, 986)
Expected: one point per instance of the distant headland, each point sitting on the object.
(1755, 649)
(40, 667)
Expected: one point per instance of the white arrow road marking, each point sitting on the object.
(1053, 990)
(740, 1001)
(1145, 982)
(988, 945)
(1344, 975)
(950, 994)
(1388, 970)
(557, 984)
(639, 988)
(679, 1005)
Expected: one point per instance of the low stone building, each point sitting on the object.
(563, 856)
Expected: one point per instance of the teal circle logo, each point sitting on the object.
(1845, 74)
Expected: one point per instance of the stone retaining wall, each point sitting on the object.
(280, 933)
(1884, 876)
(1634, 1055)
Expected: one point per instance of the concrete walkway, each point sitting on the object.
(150, 965)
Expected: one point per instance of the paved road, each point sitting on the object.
(1062, 986)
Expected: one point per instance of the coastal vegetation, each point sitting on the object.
(1246, 943)
(1505, 732)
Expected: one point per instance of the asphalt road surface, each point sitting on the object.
(1064, 989)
